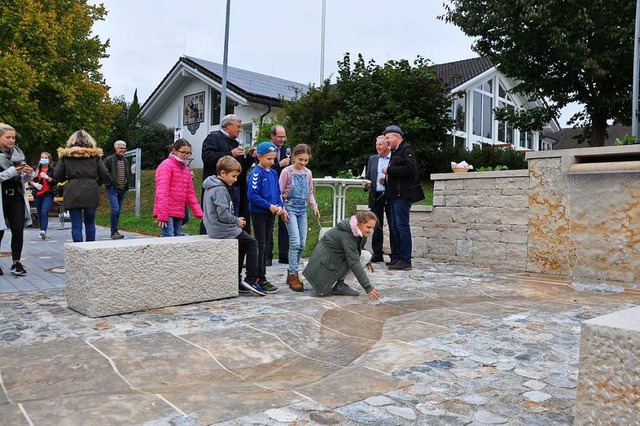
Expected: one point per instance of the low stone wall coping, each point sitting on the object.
(601, 150)
(480, 175)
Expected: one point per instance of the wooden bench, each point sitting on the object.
(133, 274)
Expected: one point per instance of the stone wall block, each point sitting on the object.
(608, 389)
(465, 214)
(477, 235)
(116, 277)
(442, 215)
(489, 250)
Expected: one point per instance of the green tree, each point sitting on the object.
(50, 80)
(341, 121)
(155, 142)
(125, 123)
(562, 50)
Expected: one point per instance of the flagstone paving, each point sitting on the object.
(445, 345)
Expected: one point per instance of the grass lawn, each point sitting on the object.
(145, 224)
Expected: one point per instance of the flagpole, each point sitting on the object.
(223, 91)
(324, 16)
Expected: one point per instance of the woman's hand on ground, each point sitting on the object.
(373, 294)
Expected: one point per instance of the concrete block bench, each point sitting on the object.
(609, 372)
(120, 276)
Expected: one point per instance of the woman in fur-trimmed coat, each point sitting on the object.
(81, 166)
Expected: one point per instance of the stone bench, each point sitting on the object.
(609, 372)
(120, 276)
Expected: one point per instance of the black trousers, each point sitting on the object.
(13, 207)
(283, 241)
(248, 246)
(381, 208)
(263, 230)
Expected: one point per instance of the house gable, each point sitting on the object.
(477, 88)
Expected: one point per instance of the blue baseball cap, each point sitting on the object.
(265, 148)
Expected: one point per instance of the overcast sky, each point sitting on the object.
(281, 38)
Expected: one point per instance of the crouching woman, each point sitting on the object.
(341, 251)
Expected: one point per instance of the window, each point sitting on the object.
(458, 114)
(216, 98)
(526, 140)
(482, 115)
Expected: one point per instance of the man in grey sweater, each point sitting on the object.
(220, 221)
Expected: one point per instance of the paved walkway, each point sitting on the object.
(446, 345)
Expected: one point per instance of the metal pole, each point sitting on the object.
(636, 66)
(223, 92)
(324, 16)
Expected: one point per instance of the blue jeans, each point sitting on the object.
(89, 224)
(43, 205)
(400, 210)
(297, 229)
(173, 228)
(116, 199)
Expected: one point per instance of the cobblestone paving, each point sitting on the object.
(445, 345)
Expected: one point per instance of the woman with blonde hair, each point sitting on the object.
(339, 253)
(81, 165)
(15, 212)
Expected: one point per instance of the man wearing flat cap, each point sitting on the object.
(402, 189)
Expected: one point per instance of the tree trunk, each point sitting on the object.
(598, 129)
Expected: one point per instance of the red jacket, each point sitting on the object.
(174, 189)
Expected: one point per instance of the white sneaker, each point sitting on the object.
(43, 235)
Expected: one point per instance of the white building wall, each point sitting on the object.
(171, 116)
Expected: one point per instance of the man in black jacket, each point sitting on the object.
(223, 142)
(402, 189)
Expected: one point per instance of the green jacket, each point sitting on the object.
(336, 253)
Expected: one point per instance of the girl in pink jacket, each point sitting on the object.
(174, 189)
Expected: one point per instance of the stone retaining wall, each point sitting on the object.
(478, 218)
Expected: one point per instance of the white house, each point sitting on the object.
(188, 99)
(481, 88)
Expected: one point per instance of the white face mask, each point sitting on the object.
(44, 161)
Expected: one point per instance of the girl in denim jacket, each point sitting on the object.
(296, 186)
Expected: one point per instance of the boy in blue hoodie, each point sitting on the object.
(265, 202)
(220, 221)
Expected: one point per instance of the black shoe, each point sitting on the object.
(391, 262)
(284, 260)
(342, 289)
(18, 269)
(401, 265)
(377, 259)
(1, 271)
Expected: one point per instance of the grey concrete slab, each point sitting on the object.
(104, 409)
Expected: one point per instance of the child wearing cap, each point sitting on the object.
(265, 202)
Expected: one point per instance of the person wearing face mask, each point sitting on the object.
(339, 257)
(43, 191)
(15, 212)
(174, 189)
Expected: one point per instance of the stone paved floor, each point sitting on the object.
(446, 345)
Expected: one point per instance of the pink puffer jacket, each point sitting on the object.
(174, 189)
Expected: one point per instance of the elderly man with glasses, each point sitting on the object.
(119, 173)
(223, 142)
